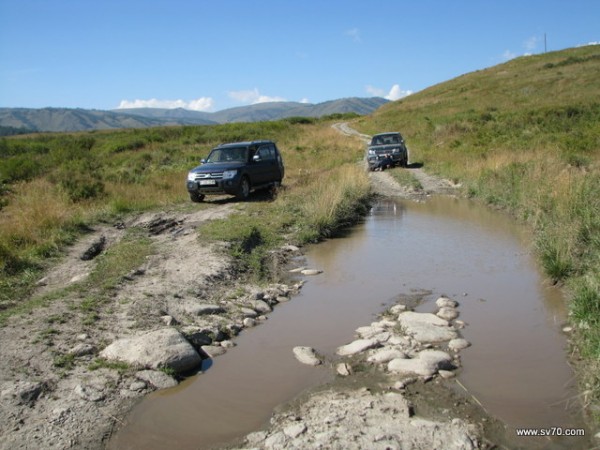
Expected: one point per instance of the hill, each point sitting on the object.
(65, 119)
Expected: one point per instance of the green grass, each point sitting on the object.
(406, 179)
(524, 136)
(41, 212)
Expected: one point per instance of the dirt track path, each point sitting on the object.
(384, 184)
(49, 397)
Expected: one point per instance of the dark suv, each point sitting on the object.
(383, 144)
(236, 169)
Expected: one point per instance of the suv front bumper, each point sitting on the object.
(230, 187)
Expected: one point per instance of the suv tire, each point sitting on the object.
(195, 197)
(244, 190)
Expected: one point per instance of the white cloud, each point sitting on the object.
(305, 100)
(253, 97)
(199, 104)
(395, 93)
(354, 33)
(531, 43)
(508, 55)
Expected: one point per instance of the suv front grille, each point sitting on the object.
(209, 176)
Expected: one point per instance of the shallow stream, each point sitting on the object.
(516, 367)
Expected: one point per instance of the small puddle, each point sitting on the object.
(516, 366)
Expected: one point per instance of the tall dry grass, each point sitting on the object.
(37, 215)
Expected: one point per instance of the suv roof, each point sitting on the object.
(387, 133)
(244, 143)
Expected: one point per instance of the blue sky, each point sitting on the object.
(212, 55)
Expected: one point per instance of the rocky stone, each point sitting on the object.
(168, 320)
(294, 430)
(458, 344)
(385, 355)
(385, 323)
(276, 441)
(397, 309)
(94, 249)
(297, 269)
(203, 309)
(89, 393)
(426, 364)
(248, 312)
(369, 331)
(261, 306)
(156, 379)
(447, 313)
(459, 324)
(426, 327)
(22, 392)
(306, 355)
(446, 374)
(360, 345)
(249, 322)
(256, 438)
(445, 302)
(82, 350)
(311, 272)
(212, 351)
(344, 369)
(137, 386)
(398, 340)
(197, 336)
(161, 348)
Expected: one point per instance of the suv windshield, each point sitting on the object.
(386, 139)
(229, 154)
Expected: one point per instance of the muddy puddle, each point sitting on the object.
(516, 367)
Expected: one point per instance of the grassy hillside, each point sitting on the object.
(524, 136)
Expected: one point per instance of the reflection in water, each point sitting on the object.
(516, 366)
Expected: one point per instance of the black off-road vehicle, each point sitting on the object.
(383, 144)
(236, 169)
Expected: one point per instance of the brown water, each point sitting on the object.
(516, 366)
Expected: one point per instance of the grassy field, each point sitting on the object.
(524, 136)
(53, 186)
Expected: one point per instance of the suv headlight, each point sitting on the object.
(191, 176)
(229, 174)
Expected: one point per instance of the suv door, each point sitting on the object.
(266, 166)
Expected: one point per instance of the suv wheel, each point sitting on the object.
(195, 197)
(244, 190)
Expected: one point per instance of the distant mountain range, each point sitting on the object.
(15, 120)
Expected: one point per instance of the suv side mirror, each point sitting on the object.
(202, 161)
(256, 158)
